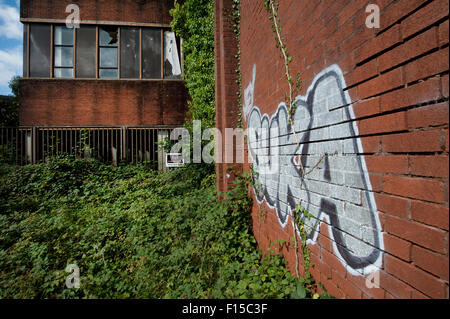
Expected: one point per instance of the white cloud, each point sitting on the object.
(10, 25)
(10, 64)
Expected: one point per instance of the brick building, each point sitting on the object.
(122, 66)
(374, 111)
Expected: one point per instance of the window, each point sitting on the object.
(86, 52)
(40, 50)
(25, 51)
(108, 43)
(63, 52)
(151, 53)
(109, 52)
(129, 53)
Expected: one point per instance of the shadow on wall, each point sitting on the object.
(337, 192)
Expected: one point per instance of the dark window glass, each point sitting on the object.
(151, 53)
(86, 52)
(172, 66)
(129, 52)
(24, 50)
(108, 36)
(108, 43)
(40, 50)
(63, 52)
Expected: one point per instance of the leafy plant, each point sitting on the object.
(134, 233)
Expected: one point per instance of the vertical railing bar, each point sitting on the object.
(52, 141)
(107, 143)
(119, 146)
(54, 149)
(46, 145)
(152, 154)
(76, 146)
(133, 148)
(19, 150)
(57, 141)
(98, 144)
(140, 145)
(145, 144)
(103, 144)
(136, 154)
(70, 142)
(137, 146)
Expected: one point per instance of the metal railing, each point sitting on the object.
(30, 145)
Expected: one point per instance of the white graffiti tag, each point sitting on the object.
(338, 192)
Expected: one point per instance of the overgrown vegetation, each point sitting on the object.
(193, 21)
(9, 105)
(134, 233)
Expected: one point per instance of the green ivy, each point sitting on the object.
(134, 233)
(193, 21)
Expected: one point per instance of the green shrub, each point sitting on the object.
(134, 233)
(193, 20)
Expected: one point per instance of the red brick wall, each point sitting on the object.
(147, 11)
(396, 78)
(102, 102)
(225, 50)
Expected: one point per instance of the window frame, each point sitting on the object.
(141, 26)
(54, 46)
(99, 47)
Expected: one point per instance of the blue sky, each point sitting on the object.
(11, 38)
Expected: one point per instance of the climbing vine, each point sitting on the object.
(236, 16)
(301, 215)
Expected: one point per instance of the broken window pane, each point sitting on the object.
(108, 42)
(86, 52)
(151, 53)
(172, 67)
(129, 52)
(39, 50)
(108, 36)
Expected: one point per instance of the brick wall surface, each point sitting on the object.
(225, 85)
(143, 11)
(376, 101)
(102, 102)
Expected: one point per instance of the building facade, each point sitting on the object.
(121, 66)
